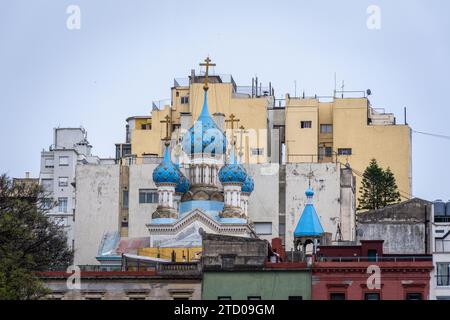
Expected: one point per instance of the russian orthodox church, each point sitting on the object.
(211, 195)
(208, 192)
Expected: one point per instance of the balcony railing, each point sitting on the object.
(375, 259)
(441, 218)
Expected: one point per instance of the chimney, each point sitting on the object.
(27, 175)
(219, 119)
(192, 78)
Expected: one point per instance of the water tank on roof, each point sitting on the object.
(439, 207)
(447, 208)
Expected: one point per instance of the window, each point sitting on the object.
(126, 149)
(326, 128)
(48, 163)
(63, 181)
(146, 126)
(125, 199)
(414, 296)
(254, 298)
(337, 296)
(325, 152)
(295, 298)
(372, 296)
(257, 151)
(137, 295)
(442, 245)
(63, 161)
(344, 151)
(184, 100)
(148, 196)
(223, 298)
(62, 204)
(262, 228)
(305, 124)
(443, 273)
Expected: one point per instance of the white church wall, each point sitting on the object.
(326, 185)
(97, 209)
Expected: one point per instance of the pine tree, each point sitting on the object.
(378, 189)
(390, 193)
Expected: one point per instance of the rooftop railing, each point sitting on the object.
(376, 259)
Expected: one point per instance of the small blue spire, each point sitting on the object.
(309, 224)
(205, 110)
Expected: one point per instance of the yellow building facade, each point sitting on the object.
(348, 130)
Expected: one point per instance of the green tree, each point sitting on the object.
(378, 189)
(29, 241)
(389, 191)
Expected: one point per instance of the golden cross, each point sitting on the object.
(207, 64)
(232, 120)
(167, 121)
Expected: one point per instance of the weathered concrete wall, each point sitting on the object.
(140, 213)
(263, 202)
(97, 209)
(326, 185)
(125, 289)
(401, 226)
(225, 252)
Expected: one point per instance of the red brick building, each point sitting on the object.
(347, 273)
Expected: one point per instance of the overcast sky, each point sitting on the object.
(126, 54)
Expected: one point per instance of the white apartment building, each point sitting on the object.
(440, 276)
(57, 173)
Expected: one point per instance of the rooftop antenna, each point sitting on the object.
(295, 88)
(310, 175)
(342, 88)
(335, 83)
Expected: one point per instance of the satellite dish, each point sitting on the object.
(369, 92)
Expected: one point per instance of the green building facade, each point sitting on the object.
(262, 284)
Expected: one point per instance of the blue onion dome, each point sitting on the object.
(232, 172)
(166, 172)
(204, 136)
(248, 185)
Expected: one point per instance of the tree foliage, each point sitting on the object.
(378, 189)
(30, 241)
